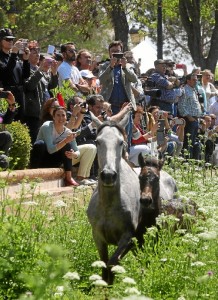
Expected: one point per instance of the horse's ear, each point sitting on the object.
(160, 163)
(141, 160)
(160, 160)
(95, 120)
(123, 123)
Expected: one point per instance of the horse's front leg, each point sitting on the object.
(103, 253)
(124, 245)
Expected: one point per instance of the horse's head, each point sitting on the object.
(149, 180)
(110, 143)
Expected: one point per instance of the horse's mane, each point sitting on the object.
(112, 124)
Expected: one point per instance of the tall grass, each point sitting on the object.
(47, 250)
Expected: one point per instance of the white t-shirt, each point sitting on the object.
(66, 71)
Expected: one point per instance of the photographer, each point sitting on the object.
(13, 70)
(169, 86)
(5, 136)
(116, 76)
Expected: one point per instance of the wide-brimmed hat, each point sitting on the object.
(6, 33)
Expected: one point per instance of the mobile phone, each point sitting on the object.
(179, 66)
(77, 132)
(118, 55)
(98, 58)
(160, 112)
(161, 123)
(24, 44)
(51, 49)
(160, 137)
(178, 122)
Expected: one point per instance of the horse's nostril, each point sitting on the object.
(146, 201)
(108, 176)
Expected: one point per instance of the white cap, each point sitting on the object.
(87, 74)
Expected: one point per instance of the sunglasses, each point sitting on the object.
(8, 39)
(12, 105)
(72, 50)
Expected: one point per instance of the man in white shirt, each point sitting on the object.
(68, 72)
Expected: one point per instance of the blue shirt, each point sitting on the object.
(118, 95)
(161, 83)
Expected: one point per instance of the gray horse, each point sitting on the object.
(114, 207)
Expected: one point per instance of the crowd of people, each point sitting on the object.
(166, 113)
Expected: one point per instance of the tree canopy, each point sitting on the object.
(190, 27)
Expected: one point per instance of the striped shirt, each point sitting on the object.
(188, 104)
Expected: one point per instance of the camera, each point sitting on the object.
(104, 115)
(178, 122)
(200, 98)
(83, 105)
(118, 55)
(155, 93)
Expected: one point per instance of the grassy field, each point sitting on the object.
(47, 251)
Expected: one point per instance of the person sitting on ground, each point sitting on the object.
(87, 151)
(209, 135)
(5, 136)
(56, 145)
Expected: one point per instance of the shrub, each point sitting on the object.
(20, 150)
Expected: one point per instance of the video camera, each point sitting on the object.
(148, 86)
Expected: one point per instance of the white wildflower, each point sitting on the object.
(94, 277)
(60, 203)
(132, 290)
(181, 298)
(71, 276)
(210, 235)
(100, 282)
(198, 264)
(30, 203)
(58, 295)
(60, 288)
(99, 264)
(163, 259)
(118, 269)
(129, 280)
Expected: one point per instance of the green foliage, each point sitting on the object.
(47, 249)
(20, 150)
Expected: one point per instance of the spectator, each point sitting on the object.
(200, 90)
(5, 136)
(209, 88)
(207, 130)
(37, 87)
(56, 145)
(68, 72)
(190, 109)
(116, 77)
(88, 129)
(13, 71)
(141, 138)
(93, 82)
(214, 110)
(87, 151)
(84, 60)
(169, 86)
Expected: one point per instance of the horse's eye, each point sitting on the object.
(121, 143)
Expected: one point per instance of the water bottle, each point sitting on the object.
(215, 156)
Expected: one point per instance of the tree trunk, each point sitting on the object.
(191, 20)
(119, 21)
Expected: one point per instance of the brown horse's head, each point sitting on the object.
(149, 179)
